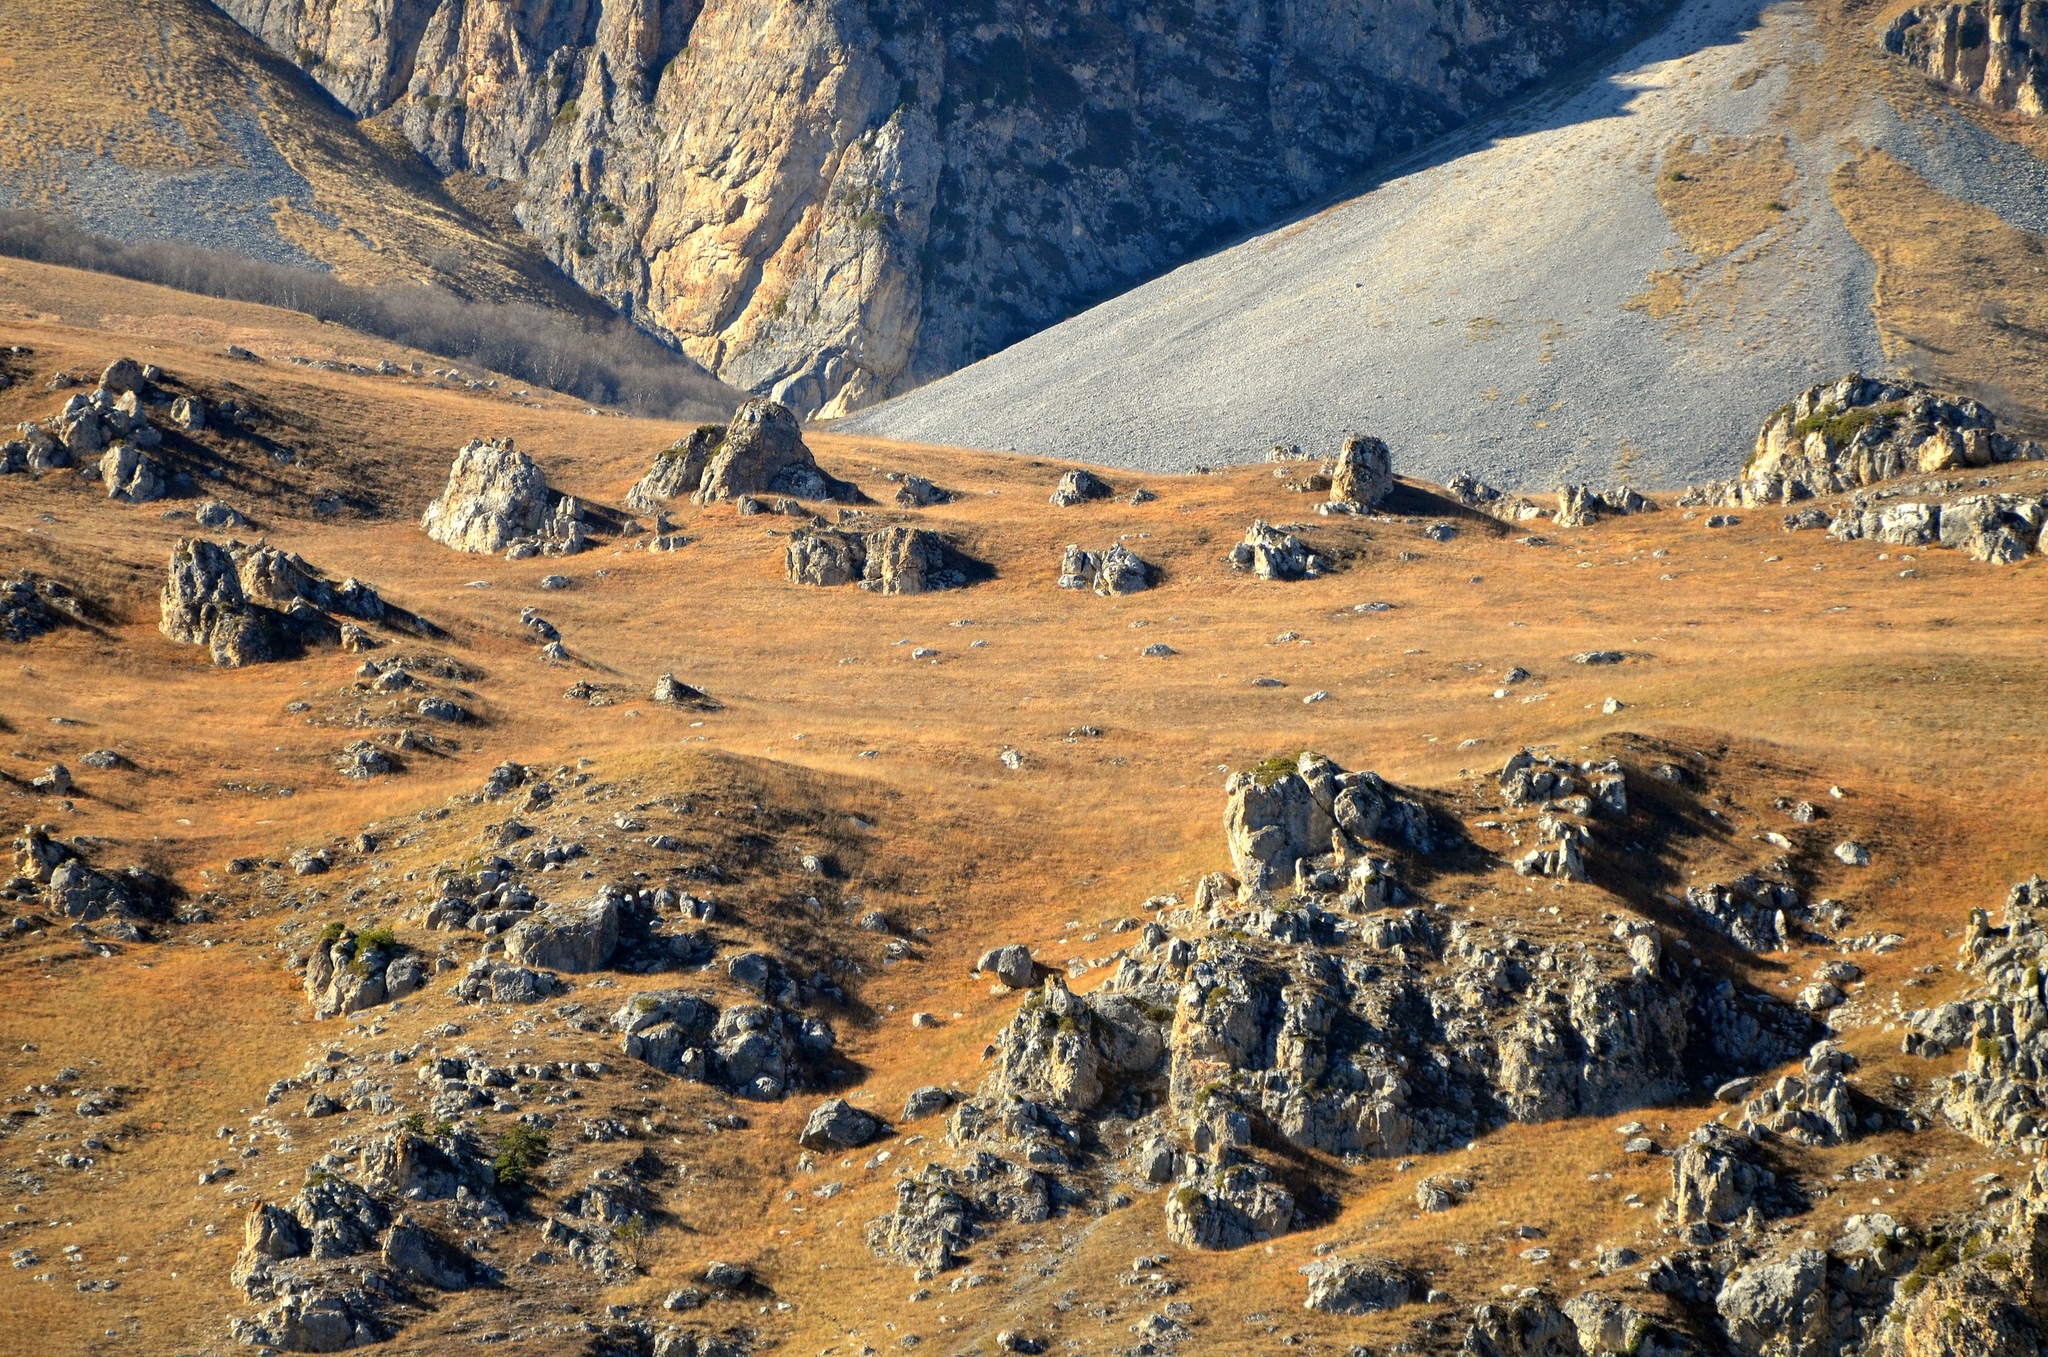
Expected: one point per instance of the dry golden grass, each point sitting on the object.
(1722, 192)
(1960, 299)
(1793, 662)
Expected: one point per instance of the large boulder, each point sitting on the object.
(203, 604)
(1778, 1307)
(495, 496)
(837, 1124)
(130, 477)
(1358, 1286)
(1078, 487)
(677, 471)
(1717, 1175)
(763, 452)
(573, 938)
(1362, 472)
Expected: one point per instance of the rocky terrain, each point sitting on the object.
(489, 874)
(835, 204)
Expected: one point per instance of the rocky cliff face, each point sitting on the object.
(830, 203)
(1991, 52)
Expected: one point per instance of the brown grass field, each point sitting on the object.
(1790, 662)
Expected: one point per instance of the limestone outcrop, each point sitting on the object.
(1314, 1001)
(677, 472)
(1113, 572)
(248, 604)
(1271, 553)
(1362, 473)
(1852, 433)
(1996, 53)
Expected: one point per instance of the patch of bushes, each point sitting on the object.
(600, 359)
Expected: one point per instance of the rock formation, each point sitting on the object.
(1317, 1004)
(1362, 473)
(1992, 52)
(203, 604)
(822, 203)
(495, 497)
(1119, 570)
(1078, 487)
(887, 561)
(1272, 554)
(677, 471)
(1857, 431)
(763, 452)
(250, 604)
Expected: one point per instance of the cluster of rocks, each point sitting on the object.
(54, 877)
(2000, 1096)
(1577, 505)
(1997, 528)
(1271, 553)
(896, 560)
(752, 1050)
(248, 604)
(1992, 52)
(108, 430)
(341, 1264)
(31, 605)
(497, 499)
(1311, 1003)
(1118, 570)
(1856, 431)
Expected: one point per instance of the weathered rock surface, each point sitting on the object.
(1111, 573)
(1992, 52)
(1362, 473)
(763, 452)
(678, 471)
(1078, 487)
(1284, 815)
(1272, 554)
(895, 560)
(838, 1125)
(1359, 1286)
(574, 938)
(203, 604)
(495, 497)
(1857, 431)
(31, 606)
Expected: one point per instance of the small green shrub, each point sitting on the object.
(332, 933)
(521, 1150)
(566, 114)
(378, 939)
(415, 1123)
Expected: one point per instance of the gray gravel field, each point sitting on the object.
(1476, 312)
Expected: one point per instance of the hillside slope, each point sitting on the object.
(162, 120)
(1617, 284)
(317, 1037)
(833, 202)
